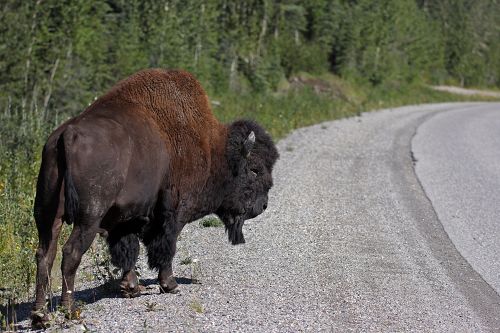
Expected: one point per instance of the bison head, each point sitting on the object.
(251, 155)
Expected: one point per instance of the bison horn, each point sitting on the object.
(248, 144)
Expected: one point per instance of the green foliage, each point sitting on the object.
(20, 146)
(196, 306)
(186, 261)
(211, 221)
(470, 34)
(383, 42)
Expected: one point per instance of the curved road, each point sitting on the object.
(458, 156)
(350, 241)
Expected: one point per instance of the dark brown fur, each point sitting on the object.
(139, 163)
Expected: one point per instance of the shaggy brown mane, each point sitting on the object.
(175, 101)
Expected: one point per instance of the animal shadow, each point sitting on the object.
(22, 311)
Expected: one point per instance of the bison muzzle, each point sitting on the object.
(138, 164)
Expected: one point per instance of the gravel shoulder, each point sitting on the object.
(350, 242)
(467, 92)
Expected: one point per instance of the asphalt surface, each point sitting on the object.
(350, 242)
(458, 164)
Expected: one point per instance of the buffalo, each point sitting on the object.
(138, 164)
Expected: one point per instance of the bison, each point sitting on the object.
(138, 164)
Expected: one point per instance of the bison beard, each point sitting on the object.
(234, 229)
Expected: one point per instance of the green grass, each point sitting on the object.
(211, 221)
(151, 306)
(186, 261)
(282, 113)
(18, 168)
(22, 136)
(196, 306)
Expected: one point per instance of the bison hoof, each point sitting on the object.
(131, 290)
(169, 286)
(39, 320)
(129, 286)
(164, 290)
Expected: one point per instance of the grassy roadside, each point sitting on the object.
(325, 98)
(301, 101)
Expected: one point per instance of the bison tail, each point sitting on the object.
(71, 201)
(70, 198)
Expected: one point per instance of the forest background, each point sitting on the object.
(285, 63)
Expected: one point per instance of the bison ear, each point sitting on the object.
(248, 144)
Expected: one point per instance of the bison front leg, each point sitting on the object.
(167, 281)
(124, 250)
(161, 251)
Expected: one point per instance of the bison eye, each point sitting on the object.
(253, 172)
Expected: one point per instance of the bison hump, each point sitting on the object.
(174, 99)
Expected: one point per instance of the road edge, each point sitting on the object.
(482, 298)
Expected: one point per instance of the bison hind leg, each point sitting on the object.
(48, 235)
(124, 250)
(48, 217)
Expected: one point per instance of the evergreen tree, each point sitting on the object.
(64, 53)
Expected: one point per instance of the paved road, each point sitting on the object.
(458, 155)
(350, 242)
